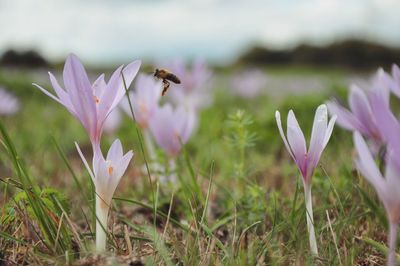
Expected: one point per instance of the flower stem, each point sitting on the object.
(101, 224)
(391, 260)
(310, 220)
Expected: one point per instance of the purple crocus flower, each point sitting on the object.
(360, 116)
(249, 84)
(296, 144)
(144, 99)
(305, 160)
(194, 90)
(106, 174)
(90, 103)
(8, 103)
(387, 188)
(171, 128)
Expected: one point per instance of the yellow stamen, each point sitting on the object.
(97, 100)
(110, 170)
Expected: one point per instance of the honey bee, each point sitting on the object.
(166, 76)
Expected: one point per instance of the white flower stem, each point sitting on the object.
(101, 224)
(172, 171)
(310, 220)
(391, 260)
(149, 144)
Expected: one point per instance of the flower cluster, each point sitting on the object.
(8, 103)
(91, 104)
(95, 105)
(371, 116)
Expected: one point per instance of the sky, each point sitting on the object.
(105, 31)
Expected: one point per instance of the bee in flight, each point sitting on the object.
(166, 77)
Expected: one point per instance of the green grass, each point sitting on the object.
(239, 200)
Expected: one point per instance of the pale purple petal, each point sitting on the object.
(62, 94)
(361, 108)
(162, 126)
(48, 93)
(389, 126)
(121, 166)
(107, 98)
(115, 152)
(99, 86)
(381, 84)
(366, 164)
(317, 137)
(329, 130)
(79, 89)
(129, 72)
(345, 118)
(296, 140)
(144, 99)
(279, 123)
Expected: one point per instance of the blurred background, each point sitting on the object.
(361, 34)
(255, 52)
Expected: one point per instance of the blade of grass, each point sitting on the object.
(204, 215)
(140, 137)
(160, 213)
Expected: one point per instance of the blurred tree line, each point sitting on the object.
(357, 54)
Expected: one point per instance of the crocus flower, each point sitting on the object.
(8, 103)
(90, 103)
(171, 128)
(194, 90)
(249, 84)
(387, 188)
(360, 116)
(106, 175)
(144, 99)
(305, 160)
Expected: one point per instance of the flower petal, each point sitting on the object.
(361, 108)
(389, 126)
(344, 117)
(279, 123)
(79, 89)
(317, 136)
(366, 164)
(296, 139)
(108, 96)
(329, 130)
(48, 93)
(115, 152)
(129, 72)
(99, 86)
(121, 166)
(62, 94)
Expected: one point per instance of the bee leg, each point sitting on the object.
(166, 86)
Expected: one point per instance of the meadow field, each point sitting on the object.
(231, 196)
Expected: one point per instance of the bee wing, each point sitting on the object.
(173, 78)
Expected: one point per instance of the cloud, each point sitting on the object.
(104, 31)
